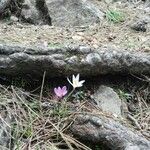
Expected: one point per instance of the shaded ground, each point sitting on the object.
(40, 124)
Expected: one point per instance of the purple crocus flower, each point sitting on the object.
(60, 92)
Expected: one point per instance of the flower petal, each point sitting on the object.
(69, 81)
(80, 84)
(59, 88)
(73, 78)
(55, 90)
(64, 88)
(64, 93)
(75, 81)
(58, 91)
(82, 81)
(77, 77)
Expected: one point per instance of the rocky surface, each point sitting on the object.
(108, 100)
(73, 12)
(3, 5)
(142, 23)
(55, 12)
(5, 132)
(35, 12)
(64, 61)
(100, 129)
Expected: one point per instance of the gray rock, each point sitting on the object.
(108, 100)
(132, 147)
(93, 58)
(73, 12)
(147, 3)
(67, 60)
(112, 133)
(141, 24)
(3, 5)
(5, 132)
(31, 12)
(14, 19)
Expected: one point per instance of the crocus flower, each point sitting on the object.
(75, 81)
(60, 92)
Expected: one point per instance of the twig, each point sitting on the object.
(147, 79)
(23, 101)
(131, 118)
(41, 93)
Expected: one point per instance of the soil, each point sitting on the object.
(107, 33)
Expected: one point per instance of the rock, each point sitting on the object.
(102, 129)
(3, 5)
(5, 131)
(132, 147)
(73, 12)
(147, 3)
(14, 19)
(141, 24)
(93, 58)
(108, 100)
(65, 60)
(56, 12)
(31, 12)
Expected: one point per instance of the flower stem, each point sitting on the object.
(69, 94)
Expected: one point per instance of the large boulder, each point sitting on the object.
(73, 12)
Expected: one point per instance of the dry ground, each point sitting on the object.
(106, 34)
